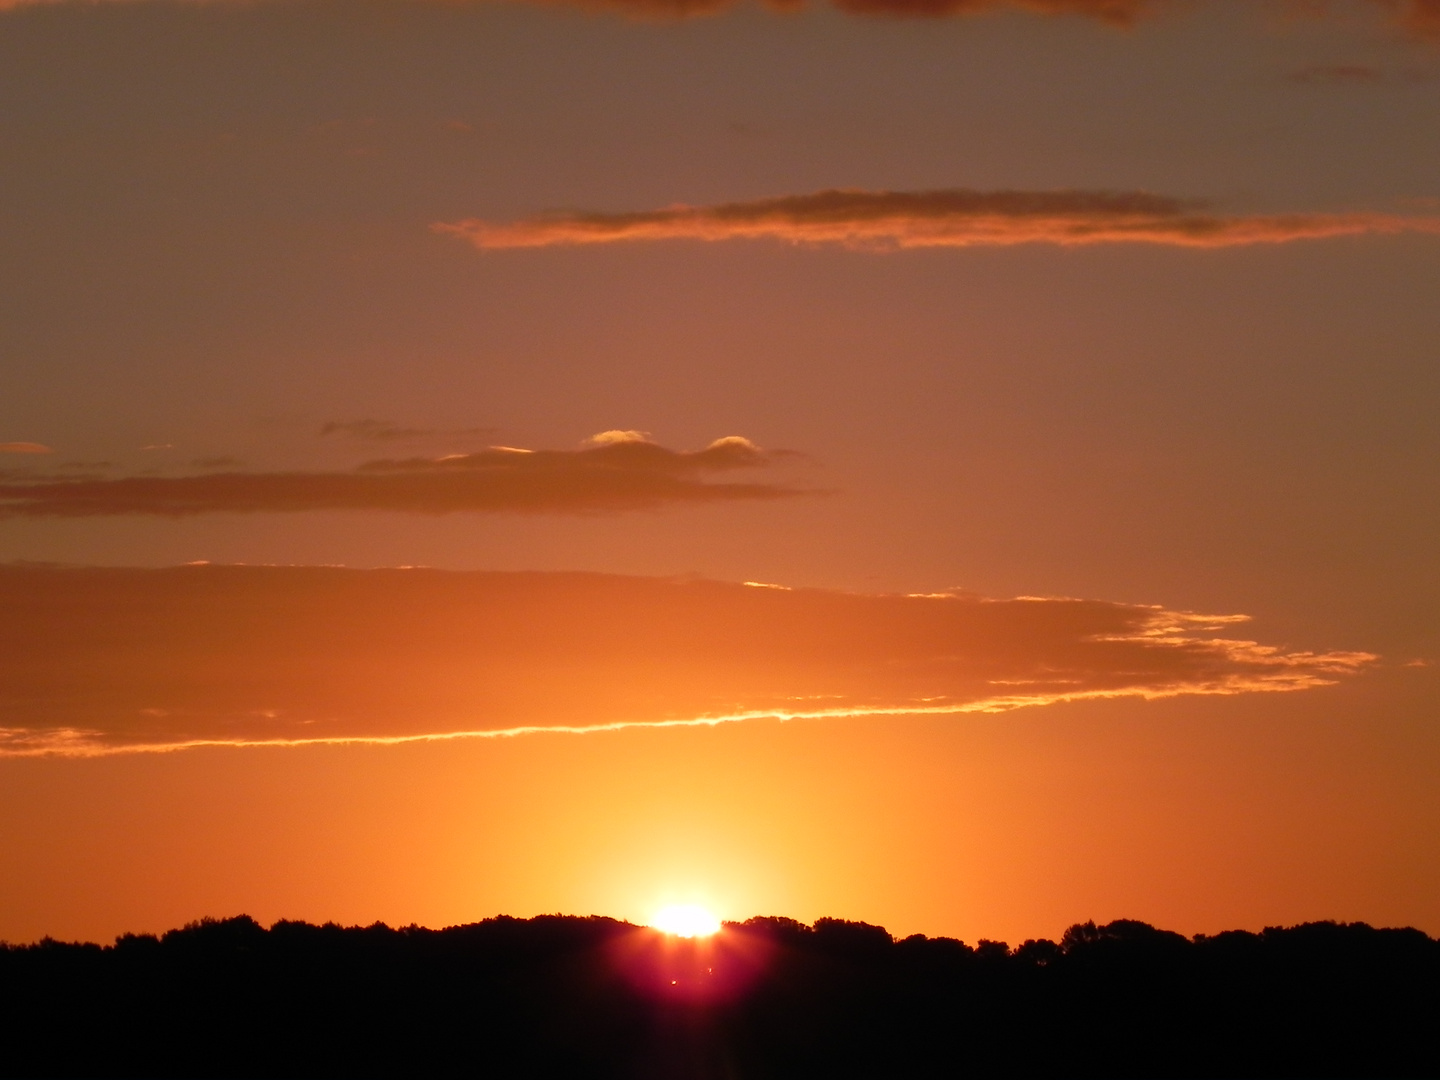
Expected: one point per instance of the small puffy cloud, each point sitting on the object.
(886, 220)
(606, 438)
(24, 448)
(611, 475)
(206, 655)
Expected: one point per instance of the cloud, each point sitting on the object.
(249, 655)
(885, 220)
(626, 474)
(24, 448)
(1420, 17)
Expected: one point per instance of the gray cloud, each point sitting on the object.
(619, 473)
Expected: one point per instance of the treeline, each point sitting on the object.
(768, 998)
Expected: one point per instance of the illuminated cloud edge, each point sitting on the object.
(947, 218)
(616, 471)
(236, 656)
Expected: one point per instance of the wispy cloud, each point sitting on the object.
(884, 220)
(371, 430)
(618, 474)
(286, 656)
(24, 448)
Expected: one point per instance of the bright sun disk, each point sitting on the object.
(685, 920)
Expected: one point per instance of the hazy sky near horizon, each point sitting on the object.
(997, 304)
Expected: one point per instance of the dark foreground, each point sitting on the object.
(583, 998)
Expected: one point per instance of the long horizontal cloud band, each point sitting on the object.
(945, 218)
(104, 660)
(624, 473)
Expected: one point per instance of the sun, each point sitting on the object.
(685, 920)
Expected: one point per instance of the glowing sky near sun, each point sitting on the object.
(971, 470)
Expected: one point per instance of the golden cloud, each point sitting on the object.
(613, 475)
(885, 220)
(192, 656)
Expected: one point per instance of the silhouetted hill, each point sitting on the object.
(768, 998)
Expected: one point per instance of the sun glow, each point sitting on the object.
(685, 920)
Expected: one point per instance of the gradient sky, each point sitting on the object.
(1129, 304)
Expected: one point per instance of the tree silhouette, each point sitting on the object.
(770, 997)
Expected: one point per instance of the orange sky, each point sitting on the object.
(966, 467)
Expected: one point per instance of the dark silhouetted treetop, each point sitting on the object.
(767, 998)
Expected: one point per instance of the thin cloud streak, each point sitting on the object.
(73, 743)
(212, 656)
(618, 475)
(888, 220)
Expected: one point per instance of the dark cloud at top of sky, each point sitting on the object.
(621, 471)
(1421, 17)
(242, 655)
(1418, 17)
